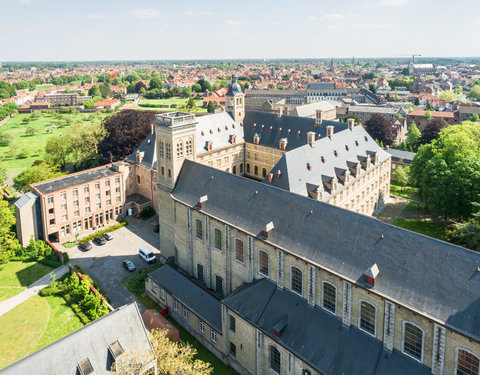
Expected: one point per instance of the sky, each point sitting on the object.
(84, 30)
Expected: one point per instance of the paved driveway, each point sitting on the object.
(104, 263)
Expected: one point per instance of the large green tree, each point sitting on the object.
(8, 240)
(7, 90)
(432, 130)
(39, 171)
(447, 171)
(474, 93)
(413, 137)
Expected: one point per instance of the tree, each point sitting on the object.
(206, 85)
(211, 106)
(8, 241)
(447, 170)
(31, 130)
(381, 129)
(116, 81)
(187, 92)
(468, 233)
(474, 118)
(126, 130)
(155, 83)
(474, 92)
(197, 87)
(372, 87)
(139, 85)
(37, 172)
(3, 177)
(57, 150)
(401, 176)
(171, 357)
(432, 130)
(94, 91)
(416, 101)
(369, 75)
(448, 96)
(413, 137)
(5, 139)
(105, 90)
(7, 90)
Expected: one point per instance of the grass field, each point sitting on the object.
(136, 286)
(23, 148)
(43, 87)
(407, 192)
(33, 324)
(168, 102)
(429, 228)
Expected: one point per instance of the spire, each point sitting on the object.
(234, 88)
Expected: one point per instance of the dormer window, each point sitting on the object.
(268, 228)
(356, 143)
(288, 132)
(366, 139)
(256, 139)
(270, 129)
(226, 127)
(347, 148)
(279, 130)
(323, 160)
(335, 153)
(298, 134)
(203, 199)
(233, 139)
(370, 274)
(209, 145)
(254, 126)
(309, 166)
(278, 174)
(283, 143)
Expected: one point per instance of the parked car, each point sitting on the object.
(128, 264)
(85, 246)
(147, 254)
(108, 236)
(99, 240)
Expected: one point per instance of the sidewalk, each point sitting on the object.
(31, 290)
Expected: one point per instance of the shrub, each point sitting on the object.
(51, 290)
(66, 258)
(147, 212)
(5, 139)
(99, 233)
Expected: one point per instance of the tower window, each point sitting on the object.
(179, 149)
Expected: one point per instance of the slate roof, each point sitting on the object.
(308, 110)
(24, 199)
(74, 179)
(322, 160)
(148, 147)
(406, 156)
(316, 336)
(234, 88)
(190, 294)
(321, 86)
(373, 109)
(413, 267)
(218, 128)
(124, 325)
(254, 120)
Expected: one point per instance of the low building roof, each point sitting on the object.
(398, 155)
(308, 110)
(190, 294)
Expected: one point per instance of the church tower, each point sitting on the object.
(235, 100)
(175, 141)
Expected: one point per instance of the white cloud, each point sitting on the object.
(233, 22)
(96, 16)
(333, 27)
(189, 12)
(333, 16)
(145, 13)
(367, 25)
(312, 18)
(477, 22)
(25, 1)
(392, 3)
(206, 13)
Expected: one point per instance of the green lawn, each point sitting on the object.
(136, 285)
(20, 274)
(7, 292)
(178, 101)
(43, 87)
(33, 324)
(428, 228)
(24, 149)
(406, 192)
(416, 208)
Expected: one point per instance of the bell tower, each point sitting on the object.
(235, 100)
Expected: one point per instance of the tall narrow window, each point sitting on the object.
(329, 297)
(248, 167)
(219, 285)
(188, 147)
(200, 276)
(199, 229)
(168, 151)
(161, 151)
(296, 279)
(367, 317)
(256, 170)
(263, 262)
(218, 239)
(239, 250)
(233, 323)
(467, 363)
(413, 340)
(179, 149)
(275, 360)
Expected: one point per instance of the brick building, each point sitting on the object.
(418, 116)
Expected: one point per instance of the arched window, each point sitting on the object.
(367, 317)
(200, 273)
(264, 172)
(199, 229)
(179, 149)
(241, 168)
(248, 167)
(296, 279)
(217, 237)
(306, 372)
(168, 150)
(467, 363)
(275, 360)
(329, 297)
(160, 149)
(234, 169)
(239, 250)
(263, 262)
(188, 147)
(256, 170)
(413, 340)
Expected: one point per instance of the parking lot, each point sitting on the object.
(104, 263)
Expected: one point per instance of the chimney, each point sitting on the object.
(351, 123)
(311, 138)
(267, 229)
(330, 131)
(319, 116)
(370, 274)
(280, 111)
(201, 201)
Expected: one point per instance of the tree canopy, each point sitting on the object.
(432, 130)
(413, 137)
(7, 90)
(39, 171)
(381, 129)
(447, 171)
(474, 93)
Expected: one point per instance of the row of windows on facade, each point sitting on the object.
(76, 213)
(165, 150)
(89, 222)
(86, 190)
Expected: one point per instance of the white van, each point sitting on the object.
(147, 254)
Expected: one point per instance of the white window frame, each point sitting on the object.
(235, 242)
(213, 335)
(360, 317)
(185, 312)
(175, 304)
(423, 341)
(201, 223)
(291, 275)
(457, 348)
(221, 239)
(328, 282)
(270, 359)
(268, 258)
(162, 294)
(202, 326)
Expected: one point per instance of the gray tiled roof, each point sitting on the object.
(322, 160)
(407, 156)
(75, 179)
(316, 336)
(413, 267)
(24, 199)
(148, 147)
(217, 128)
(321, 86)
(308, 110)
(254, 120)
(190, 294)
(124, 325)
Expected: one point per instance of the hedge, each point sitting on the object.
(111, 229)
